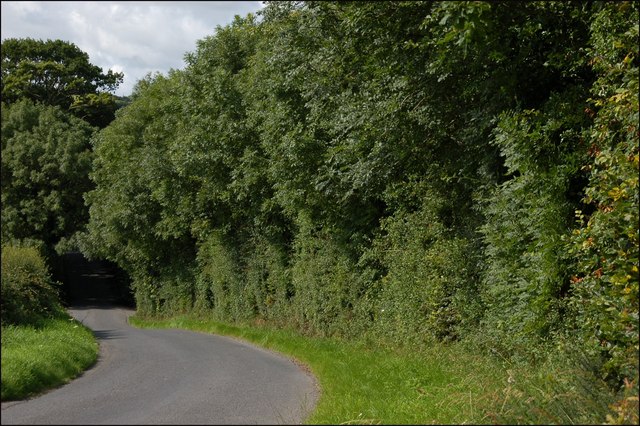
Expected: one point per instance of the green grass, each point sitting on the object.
(442, 385)
(38, 358)
(360, 384)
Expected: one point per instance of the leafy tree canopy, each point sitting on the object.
(46, 158)
(56, 72)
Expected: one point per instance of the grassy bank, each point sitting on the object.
(360, 384)
(38, 358)
(445, 384)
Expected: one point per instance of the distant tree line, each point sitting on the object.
(408, 172)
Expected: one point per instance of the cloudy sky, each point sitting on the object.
(134, 37)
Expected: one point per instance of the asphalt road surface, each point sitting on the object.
(172, 376)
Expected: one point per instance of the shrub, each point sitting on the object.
(424, 294)
(28, 292)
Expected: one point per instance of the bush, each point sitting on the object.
(426, 292)
(268, 279)
(605, 246)
(219, 285)
(28, 292)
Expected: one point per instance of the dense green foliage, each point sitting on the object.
(604, 248)
(28, 293)
(46, 159)
(58, 73)
(52, 100)
(406, 172)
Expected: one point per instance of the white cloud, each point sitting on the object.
(23, 7)
(137, 37)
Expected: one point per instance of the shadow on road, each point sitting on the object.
(107, 334)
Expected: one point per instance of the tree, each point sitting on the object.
(46, 158)
(137, 208)
(58, 73)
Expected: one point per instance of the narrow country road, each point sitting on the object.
(162, 376)
(171, 377)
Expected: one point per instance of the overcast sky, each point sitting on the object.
(133, 37)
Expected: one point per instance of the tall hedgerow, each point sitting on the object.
(604, 284)
(407, 172)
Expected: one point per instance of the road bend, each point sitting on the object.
(170, 376)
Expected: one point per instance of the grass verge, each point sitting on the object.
(445, 384)
(42, 357)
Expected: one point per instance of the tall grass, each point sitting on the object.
(443, 384)
(38, 357)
